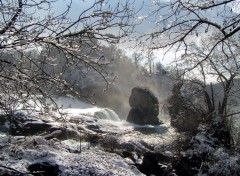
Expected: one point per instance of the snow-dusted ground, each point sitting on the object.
(19, 152)
(23, 152)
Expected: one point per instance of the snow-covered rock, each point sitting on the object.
(208, 153)
(24, 152)
(71, 145)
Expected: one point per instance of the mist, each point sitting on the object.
(128, 77)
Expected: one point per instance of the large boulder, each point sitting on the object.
(144, 107)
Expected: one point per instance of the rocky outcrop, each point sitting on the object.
(144, 107)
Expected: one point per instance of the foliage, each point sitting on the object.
(217, 78)
(36, 36)
(179, 22)
(186, 107)
(109, 142)
(204, 38)
(208, 152)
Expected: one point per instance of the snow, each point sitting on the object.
(18, 152)
(26, 151)
(214, 157)
(37, 149)
(76, 156)
(225, 164)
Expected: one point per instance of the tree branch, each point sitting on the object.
(14, 18)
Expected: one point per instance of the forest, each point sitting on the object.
(125, 88)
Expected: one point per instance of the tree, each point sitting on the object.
(184, 27)
(214, 83)
(137, 57)
(203, 38)
(160, 69)
(40, 43)
(180, 22)
(222, 67)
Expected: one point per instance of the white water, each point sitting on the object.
(109, 122)
(107, 114)
(76, 107)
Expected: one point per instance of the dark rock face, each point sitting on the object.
(20, 124)
(26, 126)
(150, 161)
(144, 107)
(44, 169)
(151, 166)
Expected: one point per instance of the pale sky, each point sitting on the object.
(79, 5)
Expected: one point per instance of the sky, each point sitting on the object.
(147, 26)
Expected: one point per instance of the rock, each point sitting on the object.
(151, 165)
(163, 158)
(149, 158)
(136, 146)
(20, 124)
(144, 107)
(52, 135)
(93, 127)
(126, 154)
(67, 133)
(33, 128)
(44, 169)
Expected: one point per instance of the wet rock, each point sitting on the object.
(34, 127)
(44, 169)
(136, 146)
(93, 127)
(163, 158)
(144, 107)
(151, 166)
(68, 134)
(20, 124)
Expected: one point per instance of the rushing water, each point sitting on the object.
(109, 122)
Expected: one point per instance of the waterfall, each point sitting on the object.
(107, 114)
(77, 107)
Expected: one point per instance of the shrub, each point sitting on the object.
(109, 142)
